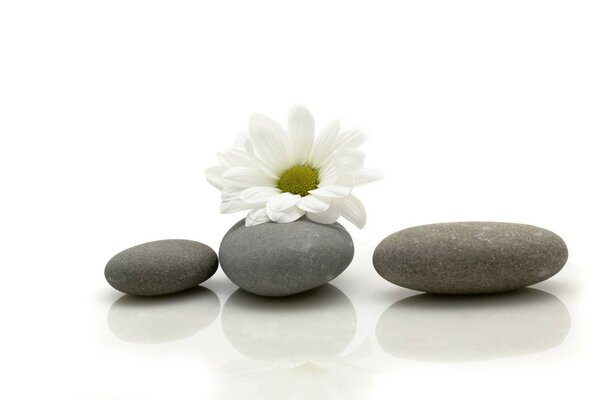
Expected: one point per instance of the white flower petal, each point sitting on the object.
(350, 160)
(282, 208)
(282, 202)
(270, 143)
(329, 216)
(313, 204)
(360, 177)
(248, 177)
(350, 138)
(367, 176)
(340, 142)
(343, 177)
(301, 126)
(328, 174)
(257, 216)
(231, 193)
(289, 215)
(354, 211)
(235, 158)
(325, 144)
(333, 191)
(261, 164)
(214, 176)
(233, 206)
(258, 195)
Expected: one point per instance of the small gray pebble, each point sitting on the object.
(470, 257)
(161, 267)
(274, 259)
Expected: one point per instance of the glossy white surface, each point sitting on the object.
(358, 337)
(110, 111)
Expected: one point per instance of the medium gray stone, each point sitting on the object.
(274, 259)
(161, 267)
(470, 257)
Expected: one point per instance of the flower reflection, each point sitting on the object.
(294, 346)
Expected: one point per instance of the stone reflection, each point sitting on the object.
(163, 319)
(463, 328)
(295, 347)
(315, 324)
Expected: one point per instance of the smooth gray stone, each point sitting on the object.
(161, 267)
(274, 259)
(470, 257)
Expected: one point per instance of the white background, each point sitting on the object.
(111, 110)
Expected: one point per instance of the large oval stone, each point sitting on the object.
(470, 257)
(274, 259)
(161, 267)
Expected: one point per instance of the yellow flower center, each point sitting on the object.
(299, 180)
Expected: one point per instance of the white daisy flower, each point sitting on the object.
(282, 176)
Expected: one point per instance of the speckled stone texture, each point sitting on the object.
(470, 257)
(161, 267)
(274, 259)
